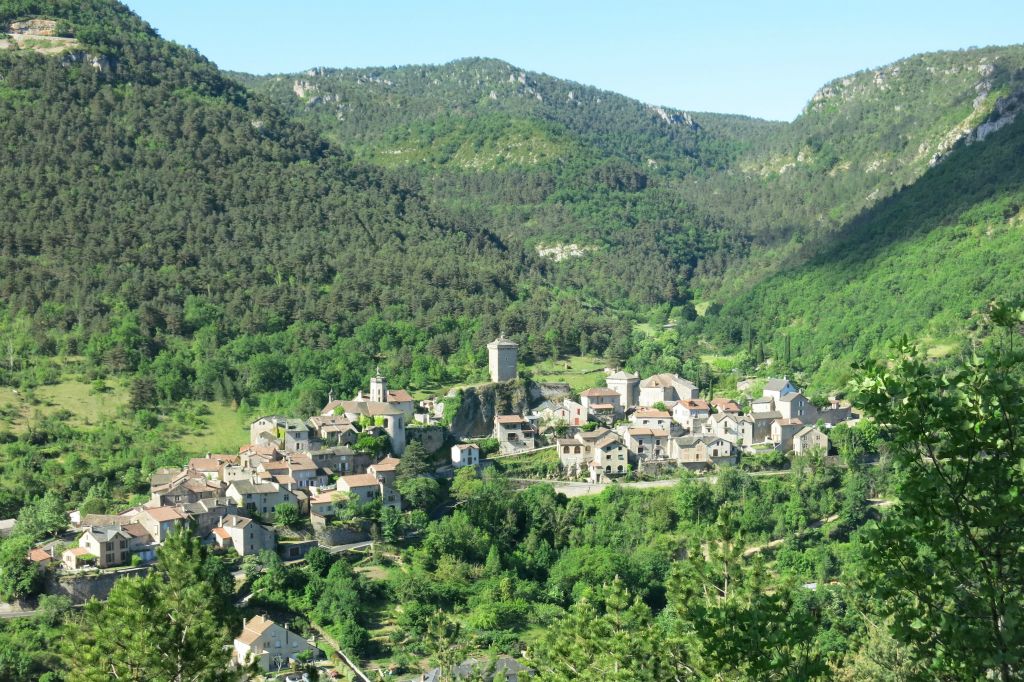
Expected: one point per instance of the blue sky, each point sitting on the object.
(758, 58)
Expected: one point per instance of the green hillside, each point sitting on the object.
(919, 263)
(658, 207)
(159, 217)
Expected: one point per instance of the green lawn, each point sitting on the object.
(86, 405)
(225, 431)
(580, 372)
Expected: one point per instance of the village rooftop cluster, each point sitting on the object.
(316, 466)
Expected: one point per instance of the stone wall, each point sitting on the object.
(81, 587)
(432, 438)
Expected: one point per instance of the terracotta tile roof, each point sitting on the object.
(369, 408)
(164, 514)
(204, 464)
(389, 463)
(790, 422)
(78, 551)
(623, 375)
(726, 405)
(136, 530)
(359, 480)
(696, 404)
(284, 479)
(330, 407)
(39, 554)
(222, 534)
(651, 413)
(510, 419)
(598, 392)
(254, 629)
(467, 446)
(324, 497)
(399, 395)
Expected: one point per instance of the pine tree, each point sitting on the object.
(163, 627)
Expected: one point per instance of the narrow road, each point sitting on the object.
(750, 551)
(581, 489)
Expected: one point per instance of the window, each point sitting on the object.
(620, 468)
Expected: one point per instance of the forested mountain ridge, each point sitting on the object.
(166, 219)
(160, 216)
(731, 206)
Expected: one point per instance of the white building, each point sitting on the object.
(465, 455)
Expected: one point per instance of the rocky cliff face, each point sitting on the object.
(475, 416)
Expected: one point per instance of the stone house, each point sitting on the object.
(603, 403)
(368, 487)
(783, 431)
(698, 452)
(655, 419)
(206, 514)
(243, 535)
(646, 443)
(260, 497)
(269, 645)
(611, 458)
(40, 557)
(795, 405)
(777, 388)
(386, 416)
(513, 432)
(289, 435)
(385, 470)
(691, 413)
(663, 388)
(335, 429)
(295, 472)
(323, 503)
(738, 429)
(465, 455)
(187, 486)
(110, 545)
(809, 438)
(836, 412)
(576, 413)
(160, 521)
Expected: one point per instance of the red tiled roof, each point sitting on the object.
(38, 554)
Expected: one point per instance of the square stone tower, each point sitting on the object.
(627, 385)
(502, 356)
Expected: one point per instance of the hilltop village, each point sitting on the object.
(329, 468)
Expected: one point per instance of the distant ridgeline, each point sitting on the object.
(231, 236)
